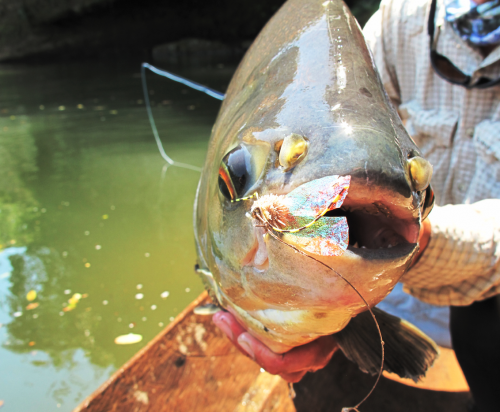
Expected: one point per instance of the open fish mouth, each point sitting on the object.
(376, 231)
(374, 227)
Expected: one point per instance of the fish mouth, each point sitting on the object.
(375, 227)
(376, 231)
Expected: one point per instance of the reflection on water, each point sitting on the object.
(91, 221)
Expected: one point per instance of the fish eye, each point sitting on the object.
(235, 173)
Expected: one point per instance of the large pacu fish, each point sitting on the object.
(310, 178)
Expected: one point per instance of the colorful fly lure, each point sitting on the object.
(299, 215)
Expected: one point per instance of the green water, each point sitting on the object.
(87, 207)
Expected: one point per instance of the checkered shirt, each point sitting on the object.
(458, 131)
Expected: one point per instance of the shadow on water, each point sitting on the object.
(92, 220)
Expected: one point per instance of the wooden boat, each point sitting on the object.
(190, 366)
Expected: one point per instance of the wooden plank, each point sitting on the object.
(191, 366)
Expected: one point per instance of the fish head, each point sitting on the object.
(306, 120)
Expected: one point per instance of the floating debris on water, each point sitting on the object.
(105, 217)
(112, 207)
(31, 295)
(33, 305)
(97, 247)
(86, 233)
(79, 106)
(171, 319)
(61, 313)
(147, 254)
(188, 290)
(61, 108)
(139, 296)
(131, 325)
(35, 315)
(67, 291)
(153, 307)
(128, 339)
(165, 294)
(65, 254)
(160, 324)
(17, 314)
(104, 302)
(41, 107)
(87, 265)
(144, 318)
(139, 287)
(32, 343)
(73, 300)
(113, 112)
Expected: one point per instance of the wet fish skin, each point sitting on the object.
(309, 73)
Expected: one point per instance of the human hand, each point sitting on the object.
(292, 365)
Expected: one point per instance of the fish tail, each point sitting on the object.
(408, 351)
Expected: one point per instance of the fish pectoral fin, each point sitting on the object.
(408, 351)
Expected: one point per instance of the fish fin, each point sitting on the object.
(408, 351)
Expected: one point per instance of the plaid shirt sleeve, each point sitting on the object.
(461, 263)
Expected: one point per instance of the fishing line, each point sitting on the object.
(269, 227)
(213, 93)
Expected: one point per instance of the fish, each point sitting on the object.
(312, 196)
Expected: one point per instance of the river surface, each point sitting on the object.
(92, 221)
